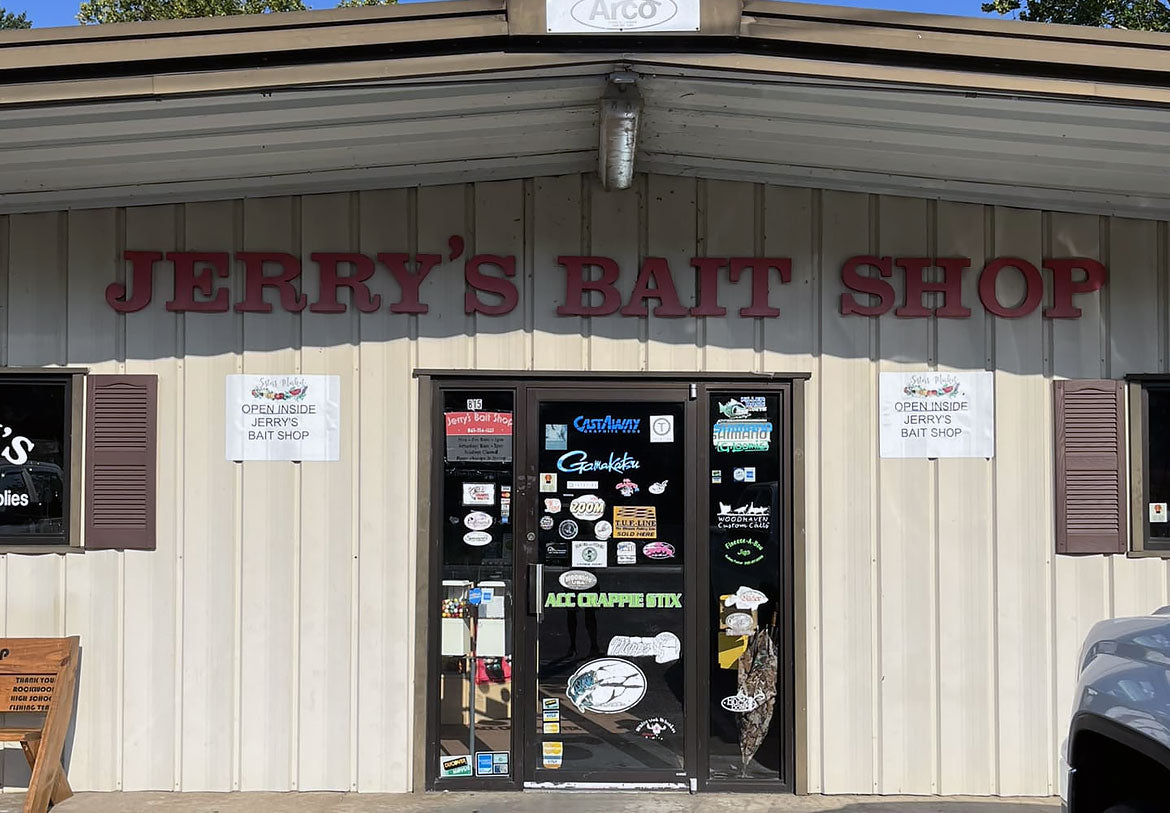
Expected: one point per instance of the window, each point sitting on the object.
(36, 422)
(1149, 432)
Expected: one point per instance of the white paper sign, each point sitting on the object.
(283, 417)
(615, 16)
(937, 414)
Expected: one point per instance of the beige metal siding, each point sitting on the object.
(266, 643)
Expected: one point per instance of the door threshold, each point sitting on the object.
(682, 786)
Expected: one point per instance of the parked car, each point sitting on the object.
(1117, 755)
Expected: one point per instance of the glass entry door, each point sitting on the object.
(610, 506)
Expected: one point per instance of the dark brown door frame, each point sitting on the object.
(790, 702)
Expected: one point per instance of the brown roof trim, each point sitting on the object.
(236, 53)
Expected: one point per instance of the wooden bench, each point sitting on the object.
(38, 676)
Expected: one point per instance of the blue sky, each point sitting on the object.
(62, 12)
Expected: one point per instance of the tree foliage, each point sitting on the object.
(11, 20)
(1146, 15)
(128, 11)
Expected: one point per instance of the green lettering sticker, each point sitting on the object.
(637, 601)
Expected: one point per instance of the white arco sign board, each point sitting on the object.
(937, 414)
(620, 16)
(283, 417)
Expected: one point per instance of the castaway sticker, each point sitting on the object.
(635, 522)
(663, 647)
(609, 425)
(606, 686)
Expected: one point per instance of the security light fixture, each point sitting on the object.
(621, 108)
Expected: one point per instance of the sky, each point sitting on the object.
(63, 12)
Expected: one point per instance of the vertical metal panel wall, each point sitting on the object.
(266, 643)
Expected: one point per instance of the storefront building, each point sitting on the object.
(385, 415)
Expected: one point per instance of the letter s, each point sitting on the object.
(23, 446)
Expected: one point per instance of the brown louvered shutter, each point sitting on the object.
(1090, 467)
(121, 440)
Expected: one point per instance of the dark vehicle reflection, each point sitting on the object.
(32, 498)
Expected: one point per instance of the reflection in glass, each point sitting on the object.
(476, 596)
(34, 436)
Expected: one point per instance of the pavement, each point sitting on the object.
(528, 802)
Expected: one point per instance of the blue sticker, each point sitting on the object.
(483, 763)
(556, 436)
(609, 425)
(475, 596)
(742, 435)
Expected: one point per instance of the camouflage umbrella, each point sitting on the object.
(757, 680)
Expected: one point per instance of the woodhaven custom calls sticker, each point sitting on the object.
(606, 686)
(587, 507)
(478, 521)
(635, 522)
(744, 517)
(663, 647)
(577, 580)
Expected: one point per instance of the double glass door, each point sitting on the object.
(614, 571)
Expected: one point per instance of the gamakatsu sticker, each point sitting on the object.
(606, 686)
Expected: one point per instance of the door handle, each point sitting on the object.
(536, 591)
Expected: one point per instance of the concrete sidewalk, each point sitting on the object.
(530, 802)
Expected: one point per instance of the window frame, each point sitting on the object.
(70, 541)
(1138, 434)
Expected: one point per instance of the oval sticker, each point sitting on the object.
(577, 580)
(478, 521)
(658, 550)
(477, 539)
(623, 15)
(606, 686)
(587, 507)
